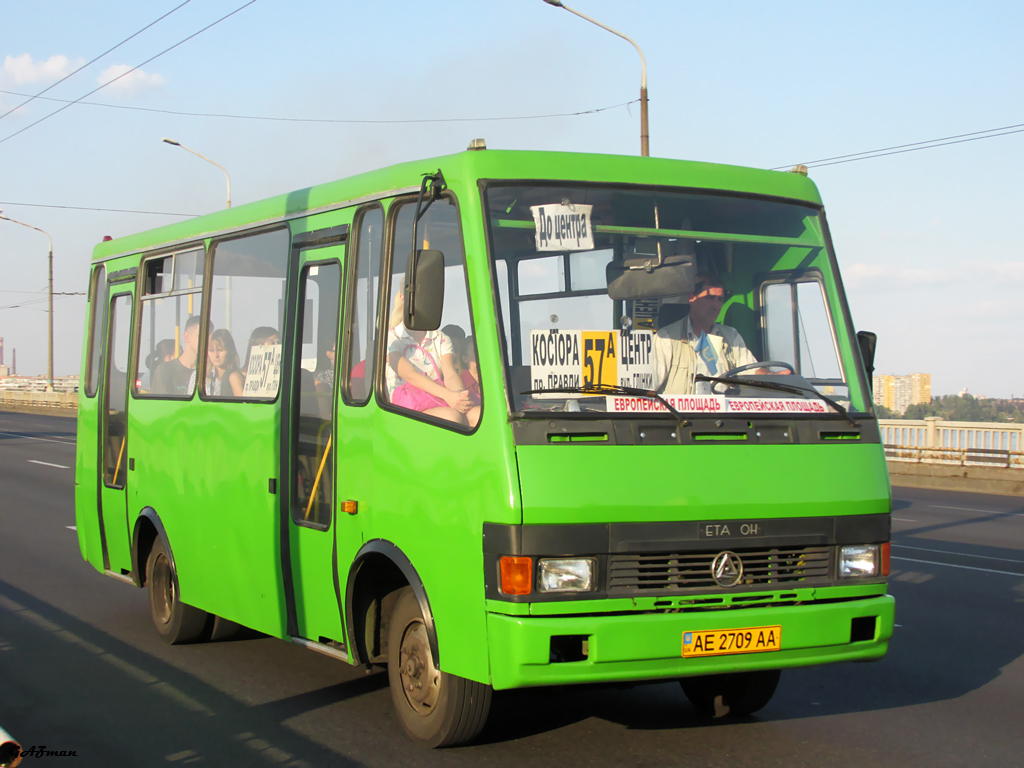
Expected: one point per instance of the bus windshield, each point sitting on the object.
(706, 299)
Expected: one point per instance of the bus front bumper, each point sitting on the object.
(648, 646)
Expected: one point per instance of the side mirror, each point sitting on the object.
(866, 340)
(424, 291)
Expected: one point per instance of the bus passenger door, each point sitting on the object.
(310, 444)
(114, 527)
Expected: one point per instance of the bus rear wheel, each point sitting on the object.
(175, 621)
(436, 709)
(735, 694)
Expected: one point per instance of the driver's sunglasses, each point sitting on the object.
(714, 292)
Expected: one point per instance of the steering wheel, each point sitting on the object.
(755, 366)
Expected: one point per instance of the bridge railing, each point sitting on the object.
(63, 400)
(965, 443)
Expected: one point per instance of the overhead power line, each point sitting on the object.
(125, 74)
(334, 120)
(916, 146)
(43, 300)
(105, 210)
(867, 155)
(109, 50)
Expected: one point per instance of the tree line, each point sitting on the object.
(960, 408)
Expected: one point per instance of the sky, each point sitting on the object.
(928, 241)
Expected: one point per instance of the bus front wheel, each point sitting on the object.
(175, 621)
(735, 694)
(437, 709)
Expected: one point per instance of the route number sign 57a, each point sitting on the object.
(587, 358)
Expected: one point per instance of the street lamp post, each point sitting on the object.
(49, 355)
(174, 143)
(645, 149)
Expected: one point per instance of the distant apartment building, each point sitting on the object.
(897, 393)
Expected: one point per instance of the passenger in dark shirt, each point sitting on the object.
(177, 377)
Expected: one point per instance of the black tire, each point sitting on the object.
(222, 629)
(736, 694)
(435, 708)
(175, 622)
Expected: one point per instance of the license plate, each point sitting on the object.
(719, 642)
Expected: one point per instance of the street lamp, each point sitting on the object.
(49, 357)
(174, 143)
(645, 149)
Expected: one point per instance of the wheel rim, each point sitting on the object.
(163, 590)
(421, 680)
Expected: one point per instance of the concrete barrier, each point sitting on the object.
(54, 403)
(952, 477)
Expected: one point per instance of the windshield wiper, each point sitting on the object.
(612, 389)
(793, 390)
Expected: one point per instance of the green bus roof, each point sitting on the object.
(467, 167)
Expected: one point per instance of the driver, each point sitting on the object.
(698, 343)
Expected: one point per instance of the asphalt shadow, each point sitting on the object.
(68, 687)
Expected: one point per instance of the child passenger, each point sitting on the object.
(421, 374)
(470, 373)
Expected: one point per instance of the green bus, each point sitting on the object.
(493, 420)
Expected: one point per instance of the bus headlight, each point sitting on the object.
(566, 574)
(860, 560)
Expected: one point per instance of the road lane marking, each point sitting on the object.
(959, 554)
(975, 509)
(964, 567)
(71, 527)
(48, 464)
(937, 507)
(43, 439)
(904, 520)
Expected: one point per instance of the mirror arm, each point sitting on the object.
(436, 184)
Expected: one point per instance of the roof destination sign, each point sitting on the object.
(563, 227)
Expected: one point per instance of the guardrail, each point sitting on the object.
(961, 443)
(61, 400)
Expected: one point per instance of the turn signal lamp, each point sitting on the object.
(516, 575)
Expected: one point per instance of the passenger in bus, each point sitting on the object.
(223, 377)
(162, 353)
(358, 385)
(698, 343)
(264, 335)
(421, 374)
(177, 377)
(470, 372)
(323, 379)
(458, 337)
(319, 386)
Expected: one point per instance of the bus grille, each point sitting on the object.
(662, 573)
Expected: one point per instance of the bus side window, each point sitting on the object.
(361, 317)
(798, 331)
(97, 316)
(247, 301)
(423, 371)
(171, 302)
